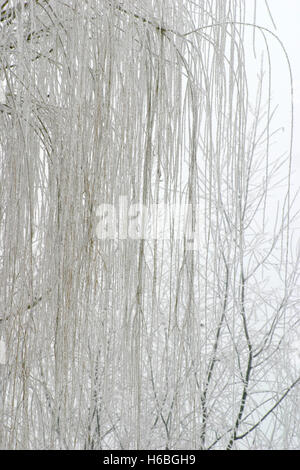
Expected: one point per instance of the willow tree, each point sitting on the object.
(144, 343)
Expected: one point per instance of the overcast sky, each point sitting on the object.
(286, 15)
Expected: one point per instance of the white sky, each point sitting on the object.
(286, 14)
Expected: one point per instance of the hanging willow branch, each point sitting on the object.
(131, 341)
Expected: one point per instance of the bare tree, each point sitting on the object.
(125, 343)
